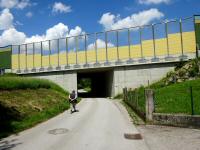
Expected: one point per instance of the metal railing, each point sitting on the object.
(136, 100)
(109, 46)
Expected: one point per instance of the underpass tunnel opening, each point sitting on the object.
(95, 83)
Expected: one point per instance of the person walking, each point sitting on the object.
(73, 101)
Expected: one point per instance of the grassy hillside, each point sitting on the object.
(25, 102)
(172, 94)
(176, 98)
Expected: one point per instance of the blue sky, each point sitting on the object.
(29, 20)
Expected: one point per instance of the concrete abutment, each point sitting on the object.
(116, 77)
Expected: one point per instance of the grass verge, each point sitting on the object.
(22, 109)
(14, 83)
(176, 98)
(135, 118)
(24, 102)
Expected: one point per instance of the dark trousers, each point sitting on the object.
(73, 106)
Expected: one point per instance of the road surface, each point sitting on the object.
(99, 125)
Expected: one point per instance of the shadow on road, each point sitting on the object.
(7, 116)
(8, 145)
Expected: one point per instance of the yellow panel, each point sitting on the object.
(147, 47)
(45, 61)
(54, 60)
(123, 52)
(30, 61)
(91, 56)
(22, 61)
(15, 61)
(37, 60)
(135, 51)
(161, 47)
(189, 42)
(197, 21)
(174, 43)
(63, 60)
(81, 57)
(72, 57)
(101, 55)
(112, 53)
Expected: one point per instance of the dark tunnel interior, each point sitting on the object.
(101, 83)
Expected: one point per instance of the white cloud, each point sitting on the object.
(6, 19)
(59, 7)
(110, 21)
(76, 31)
(148, 2)
(23, 4)
(29, 14)
(34, 38)
(107, 20)
(57, 31)
(100, 44)
(19, 4)
(12, 36)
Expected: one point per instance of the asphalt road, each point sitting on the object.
(100, 124)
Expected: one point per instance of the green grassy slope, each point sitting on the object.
(176, 98)
(172, 94)
(25, 102)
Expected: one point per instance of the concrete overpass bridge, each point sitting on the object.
(113, 59)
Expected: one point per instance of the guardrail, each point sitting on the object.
(164, 40)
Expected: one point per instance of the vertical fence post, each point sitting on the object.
(117, 36)
(26, 58)
(196, 43)
(96, 51)
(33, 56)
(181, 36)
(141, 47)
(192, 101)
(106, 44)
(76, 41)
(129, 61)
(149, 104)
(167, 39)
(18, 58)
(136, 97)
(96, 48)
(86, 50)
(76, 48)
(58, 46)
(129, 45)
(41, 48)
(11, 49)
(49, 42)
(125, 94)
(67, 55)
(86, 59)
(154, 44)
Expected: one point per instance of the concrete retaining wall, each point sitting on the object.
(66, 79)
(176, 120)
(135, 76)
